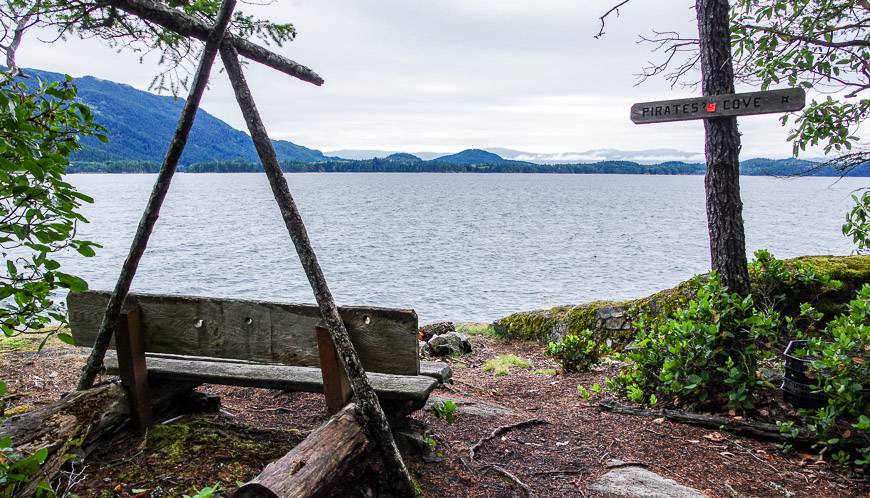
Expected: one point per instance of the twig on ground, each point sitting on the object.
(557, 472)
(501, 430)
(627, 464)
(753, 455)
(276, 409)
(526, 489)
(471, 386)
(662, 434)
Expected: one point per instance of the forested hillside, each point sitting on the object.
(140, 125)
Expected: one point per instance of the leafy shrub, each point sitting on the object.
(786, 292)
(705, 355)
(842, 371)
(578, 352)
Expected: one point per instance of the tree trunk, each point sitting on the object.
(316, 464)
(367, 402)
(158, 193)
(722, 148)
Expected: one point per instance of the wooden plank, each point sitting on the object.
(715, 106)
(386, 339)
(438, 370)
(336, 387)
(415, 388)
(132, 368)
(316, 464)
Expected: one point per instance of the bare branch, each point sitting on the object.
(613, 9)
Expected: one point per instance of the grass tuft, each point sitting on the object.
(501, 365)
(549, 372)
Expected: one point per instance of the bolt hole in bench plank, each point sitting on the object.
(263, 344)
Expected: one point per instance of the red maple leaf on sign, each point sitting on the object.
(711, 107)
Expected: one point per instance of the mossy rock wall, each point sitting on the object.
(611, 320)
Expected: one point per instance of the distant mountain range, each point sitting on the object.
(141, 124)
(649, 156)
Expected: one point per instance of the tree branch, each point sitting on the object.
(187, 25)
(613, 9)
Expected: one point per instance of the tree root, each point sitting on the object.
(526, 489)
(501, 430)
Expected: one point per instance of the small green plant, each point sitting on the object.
(501, 365)
(16, 469)
(587, 393)
(445, 409)
(206, 492)
(576, 353)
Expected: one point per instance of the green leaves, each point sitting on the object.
(842, 371)
(818, 45)
(857, 225)
(578, 352)
(40, 125)
(445, 409)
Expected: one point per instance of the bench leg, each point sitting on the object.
(336, 386)
(130, 344)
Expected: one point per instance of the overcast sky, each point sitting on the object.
(446, 75)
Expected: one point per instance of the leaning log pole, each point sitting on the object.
(158, 194)
(367, 403)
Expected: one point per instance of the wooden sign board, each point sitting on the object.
(715, 106)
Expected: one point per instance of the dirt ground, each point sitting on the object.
(561, 455)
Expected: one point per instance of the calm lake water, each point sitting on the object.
(451, 246)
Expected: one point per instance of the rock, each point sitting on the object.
(471, 406)
(632, 481)
(429, 331)
(451, 343)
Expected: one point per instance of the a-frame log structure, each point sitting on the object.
(217, 39)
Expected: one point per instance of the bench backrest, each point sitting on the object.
(385, 339)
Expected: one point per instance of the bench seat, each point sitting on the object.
(389, 387)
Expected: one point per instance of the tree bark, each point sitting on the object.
(316, 464)
(367, 403)
(722, 148)
(187, 25)
(158, 193)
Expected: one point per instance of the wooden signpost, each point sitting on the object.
(716, 106)
(719, 109)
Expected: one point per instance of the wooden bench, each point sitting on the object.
(260, 344)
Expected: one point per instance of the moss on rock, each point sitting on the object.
(203, 451)
(611, 320)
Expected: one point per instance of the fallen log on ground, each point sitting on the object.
(758, 430)
(72, 424)
(316, 464)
